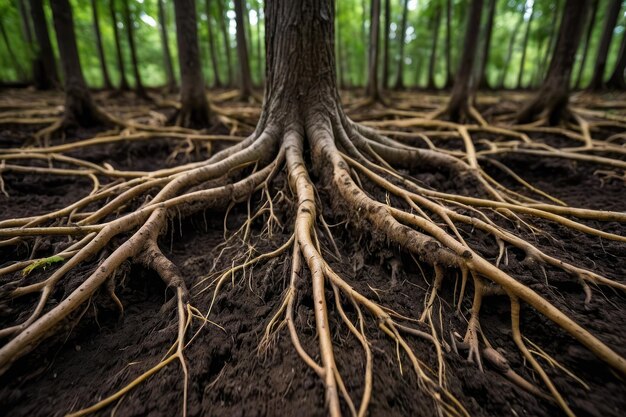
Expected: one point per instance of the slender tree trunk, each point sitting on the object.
(372, 90)
(118, 48)
(525, 46)
(449, 78)
(543, 65)
(212, 49)
(248, 33)
(483, 83)
(128, 24)
(194, 111)
(509, 53)
(385, 83)
(80, 108)
(462, 92)
(27, 31)
(617, 81)
(242, 52)
(612, 13)
(590, 25)
(167, 56)
(433, 50)
(399, 84)
(45, 69)
(96, 29)
(552, 99)
(226, 39)
(259, 49)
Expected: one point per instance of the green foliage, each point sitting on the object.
(352, 32)
(42, 263)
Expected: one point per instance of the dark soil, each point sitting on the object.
(96, 352)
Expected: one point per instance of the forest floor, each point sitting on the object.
(96, 353)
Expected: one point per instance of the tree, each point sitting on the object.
(399, 84)
(509, 53)
(520, 74)
(118, 48)
(590, 25)
(387, 16)
(612, 13)
(167, 56)
(433, 49)
(462, 92)
(551, 101)
(245, 78)
(45, 71)
(617, 81)
(449, 79)
(80, 109)
(96, 29)
(212, 49)
(129, 22)
(482, 73)
(226, 39)
(372, 90)
(194, 111)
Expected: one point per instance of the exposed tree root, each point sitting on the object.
(348, 160)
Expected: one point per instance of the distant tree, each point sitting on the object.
(167, 56)
(399, 84)
(509, 53)
(80, 109)
(590, 25)
(96, 28)
(449, 78)
(372, 89)
(433, 49)
(226, 39)
(118, 48)
(245, 78)
(520, 74)
(484, 59)
(194, 111)
(553, 96)
(612, 13)
(130, 36)
(212, 48)
(462, 92)
(387, 15)
(617, 81)
(45, 70)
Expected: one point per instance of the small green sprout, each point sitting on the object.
(42, 263)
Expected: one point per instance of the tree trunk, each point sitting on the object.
(80, 108)
(96, 29)
(617, 81)
(128, 25)
(591, 24)
(509, 53)
(612, 13)
(551, 100)
(226, 39)
(45, 71)
(212, 49)
(385, 83)
(449, 78)
(259, 49)
(483, 83)
(433, 50)
(242, 52)
(399, 84)
(27, 32)
(462, 92)
(167, 56)
(194, 111)
(339, 53)
(525, 46)
(118, 48)
(372, 90)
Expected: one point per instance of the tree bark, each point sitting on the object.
(433, 50)
(118, 48)
(27, 32)
(509, 53)
(167, 56)
(449, 78)
(128, 25)
(226, 39)
(45, 69)
(525, 46)
(591, 24)
(612, 12)
(462, 92)
(617, 82)
(385, 83)
(372, 90)
(399, 84)
(242, 52)
(194, 111)
(483, 83)
(259, 49)
(80, 108)
(212, 49)
(552, 99)
(96, 29)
